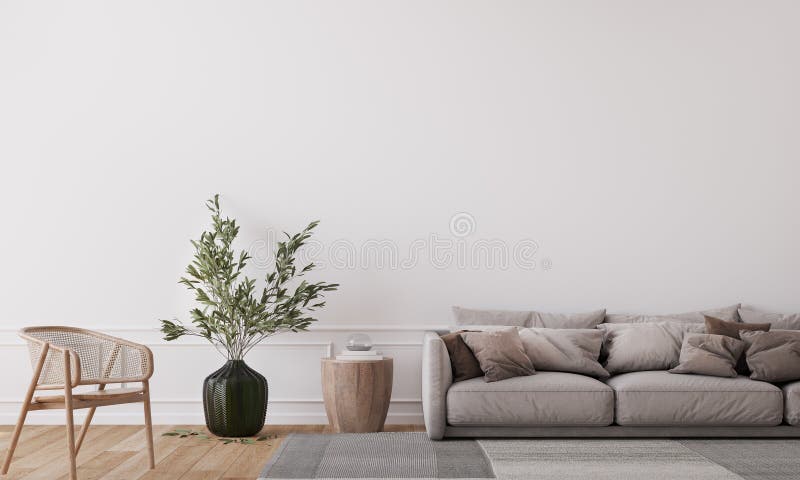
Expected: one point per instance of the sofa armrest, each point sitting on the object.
(437, 376)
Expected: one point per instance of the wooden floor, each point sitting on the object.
(119, 453)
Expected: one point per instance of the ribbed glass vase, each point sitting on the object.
(235, 400)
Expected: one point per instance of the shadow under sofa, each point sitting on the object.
(636, 404)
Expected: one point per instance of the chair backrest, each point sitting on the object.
(100, 358)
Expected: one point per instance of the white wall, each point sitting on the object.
(649, 148)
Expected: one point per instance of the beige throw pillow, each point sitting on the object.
(773, 356)
(500, 354)
(732, 329)
(706, 354)
(637, 347)
(564, 350)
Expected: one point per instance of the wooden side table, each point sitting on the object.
(357, 393)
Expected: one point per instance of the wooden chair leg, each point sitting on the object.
(24, 411)
(73, 471)
(148, 425)
(15, 438)
(86, 424)
(84, 428)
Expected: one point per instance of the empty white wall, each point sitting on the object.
(649, 148)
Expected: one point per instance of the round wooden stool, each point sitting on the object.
(357, 393)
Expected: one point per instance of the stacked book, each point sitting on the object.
(359, 355)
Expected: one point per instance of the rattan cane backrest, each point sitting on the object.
(101, 358)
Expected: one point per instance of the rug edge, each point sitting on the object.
(274, 458)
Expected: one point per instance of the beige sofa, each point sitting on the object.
(638, 404)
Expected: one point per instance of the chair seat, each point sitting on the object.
(109, 394)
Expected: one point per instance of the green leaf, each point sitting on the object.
(230, 314)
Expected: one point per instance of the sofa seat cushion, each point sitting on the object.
(668, 399)
(545, 398)
(791, 403)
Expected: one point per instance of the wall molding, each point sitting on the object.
(300, 403)
(355, 327)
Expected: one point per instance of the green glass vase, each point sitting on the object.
(235, 400)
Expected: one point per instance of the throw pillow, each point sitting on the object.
(644, 346)
(781, 321)
(500, 354)
(462, 360)
(567, 320)
(773, 356)
(707, 354)
(729, 314)
(564, 350)
(731, 329)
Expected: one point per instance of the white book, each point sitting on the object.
(359, 358)
(360, 353)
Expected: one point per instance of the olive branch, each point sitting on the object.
(232, 315)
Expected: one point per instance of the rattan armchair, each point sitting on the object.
(64, 358)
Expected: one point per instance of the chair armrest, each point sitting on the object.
(437, 376)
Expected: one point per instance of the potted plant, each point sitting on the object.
(235, 317)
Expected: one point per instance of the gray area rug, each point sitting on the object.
(753, 459)
(600, 459)
(376, 455)
(414, 456)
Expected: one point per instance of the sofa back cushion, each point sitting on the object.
(779, 321)
(567, 320)
(729, 314)
(706, 354)
(637, 347)
(486, 319)
(564, 350)
(477, 319)
(500, 354)
(773, 356)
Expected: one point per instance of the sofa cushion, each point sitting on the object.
(729, 314)
(664, 399)
(499, 353)
(782, 321)
(564, 350)
(462, 360)
(715, 326)
(567, 320)
(791, 403)
(731, 329)
(479, 319)
(547, 398)
(773, 356)
(706, 354)
(644, 346)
